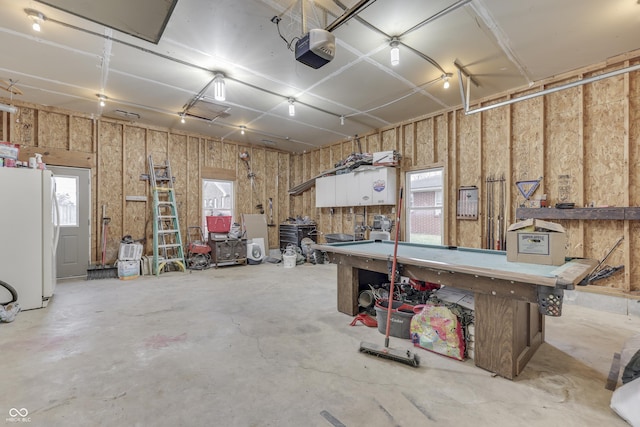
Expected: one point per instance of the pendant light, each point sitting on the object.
(292, 107)
(395, 51)
(219, 93)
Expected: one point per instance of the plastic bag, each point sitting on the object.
(9, 312)
(436, 328)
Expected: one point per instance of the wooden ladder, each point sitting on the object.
(167, 240)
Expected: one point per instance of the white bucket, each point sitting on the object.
(289, 260)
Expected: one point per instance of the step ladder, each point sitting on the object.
(167, 241)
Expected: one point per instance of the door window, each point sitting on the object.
(67, 195)
(424, 217)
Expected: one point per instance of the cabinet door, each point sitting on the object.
(345, 189)
(383, 186)
(376, 187)
(363, 195)
(326, 191)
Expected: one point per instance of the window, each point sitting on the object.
(425, 201)
(67, 196)
(217, 199)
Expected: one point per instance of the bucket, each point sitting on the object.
(401, 315)
(289, 261)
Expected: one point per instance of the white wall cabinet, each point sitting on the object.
(326, 191)
(366, 186)
(345, 190)
(376, 186)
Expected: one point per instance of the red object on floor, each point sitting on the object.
(421, 286)
(366, 320)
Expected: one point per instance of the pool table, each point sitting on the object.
(509, 327)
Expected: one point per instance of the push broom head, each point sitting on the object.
(402, 356)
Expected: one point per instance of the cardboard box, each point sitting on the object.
(128, 270)
(536, 242)
(385, 158)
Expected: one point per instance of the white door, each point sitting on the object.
(73, 191)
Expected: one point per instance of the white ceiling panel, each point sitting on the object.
(505, 45)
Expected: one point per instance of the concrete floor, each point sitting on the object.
(265, 346)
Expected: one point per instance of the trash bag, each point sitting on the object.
(9, 311)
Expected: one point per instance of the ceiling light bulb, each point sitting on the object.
(182, 120)
(218, 88)
(342, 120)
(445, 78)
(101, 99)
(242, 130)
(292, 108)
(36, 17)
(395, 53)
(102, 103)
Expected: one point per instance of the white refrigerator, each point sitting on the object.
(29, 234)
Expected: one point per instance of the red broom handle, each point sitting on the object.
(393, 271)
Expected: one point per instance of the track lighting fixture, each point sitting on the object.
(395, 51)
(102, 100)
(445, 78)
(219, 93)
(36, 17)
(292, 107)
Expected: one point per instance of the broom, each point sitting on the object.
(103, 271)
(386, 352)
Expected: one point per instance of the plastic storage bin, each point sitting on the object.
(218, 224)
(130, 252)
(401, 315)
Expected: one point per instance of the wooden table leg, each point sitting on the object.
(508, 333)
(348, 284)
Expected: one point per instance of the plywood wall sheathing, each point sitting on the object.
(604, 148)
(177, 154)
(324, 217)
(272, 183)
(136, 214)
(231, 158)
(469, 171)
(441, 137)
(526, 144)
(389, 140)
(584, 141)
(53, 130)
(194, 184)
(495, 163)
(373, 143)
(22, 127)
(314, 170)
(110, 183)
(244, 192)
(80, 134)
(424, 142)
(408, 146)
(283, 199)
